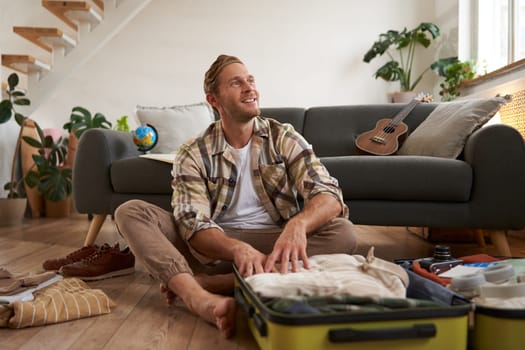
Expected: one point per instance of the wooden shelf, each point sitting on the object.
(72, 12)
(24, 64)
(46, 38)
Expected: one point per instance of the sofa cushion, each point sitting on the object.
(402, 178)
(175, 124)
(445, 131)
(141, 176)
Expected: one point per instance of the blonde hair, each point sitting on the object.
(210, 78)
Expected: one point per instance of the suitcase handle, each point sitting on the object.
(346, 335)
(243, 303)
(258, 321)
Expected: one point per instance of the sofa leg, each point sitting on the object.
(94, 228)
(499, 239)
(480, 238)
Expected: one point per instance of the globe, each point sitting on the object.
(145, 137)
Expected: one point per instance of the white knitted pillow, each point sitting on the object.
(175, 124)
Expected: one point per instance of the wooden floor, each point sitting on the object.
(141, 319)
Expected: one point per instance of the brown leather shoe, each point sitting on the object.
(105, 263)
(77, 255)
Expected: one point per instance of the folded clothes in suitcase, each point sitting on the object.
(357, 322)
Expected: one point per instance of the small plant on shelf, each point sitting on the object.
(455, 72)
(122, 124)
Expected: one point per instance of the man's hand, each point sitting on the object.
(289, 247)
(249, 261)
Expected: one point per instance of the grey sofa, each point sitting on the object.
(483, 189)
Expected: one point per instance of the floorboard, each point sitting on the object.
(141, 319)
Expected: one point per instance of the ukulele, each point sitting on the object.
(383, 140)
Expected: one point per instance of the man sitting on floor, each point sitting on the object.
(235, 200)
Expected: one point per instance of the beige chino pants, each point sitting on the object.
(152, 236)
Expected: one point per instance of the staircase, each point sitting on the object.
(92, 24)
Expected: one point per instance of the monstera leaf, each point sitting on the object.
(82, 120)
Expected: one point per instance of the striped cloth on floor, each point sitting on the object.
(66, 300)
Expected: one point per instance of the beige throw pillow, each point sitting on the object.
(445, 131)
(175, 124)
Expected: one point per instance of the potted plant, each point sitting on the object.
(400, 47)
(455, 72)
(122, 124)
(81, 120)
(49, 175)
(13, 207)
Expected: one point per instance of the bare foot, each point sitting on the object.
(225, 316)
(216, 309)
(168, 294)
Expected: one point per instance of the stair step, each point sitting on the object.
(73, 12)
(24, 64)
(46, 38)
(100, 4)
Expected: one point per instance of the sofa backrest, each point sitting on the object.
(332, 130)
(291, 115)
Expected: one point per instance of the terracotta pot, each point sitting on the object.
(60, 209)
(401, 96)
(12, 211)
(71, 150)
(36, 202)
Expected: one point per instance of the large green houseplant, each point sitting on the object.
(53, 180)
(13, 207)
(400, 47)
(79, 122)
(7, 111)
(47, 172)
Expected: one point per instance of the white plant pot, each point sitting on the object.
(401, 96)
(12, 211)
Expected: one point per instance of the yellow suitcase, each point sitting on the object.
(422, 328)
(500, 329)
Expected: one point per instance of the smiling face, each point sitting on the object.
(236, 97)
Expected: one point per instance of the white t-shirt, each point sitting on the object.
(246, 210)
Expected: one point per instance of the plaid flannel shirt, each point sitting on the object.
(283, 165)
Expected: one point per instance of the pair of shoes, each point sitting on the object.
(77, 255)
(106, 262)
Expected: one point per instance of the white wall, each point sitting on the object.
(302, 52)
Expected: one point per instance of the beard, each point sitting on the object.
(243, 113)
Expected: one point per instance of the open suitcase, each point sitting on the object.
(501, 328)
(422, 328)
(497, 329)
(492, 328)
